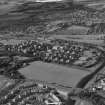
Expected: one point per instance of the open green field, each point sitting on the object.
(54, 73)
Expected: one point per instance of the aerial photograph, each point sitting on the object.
(52, 52)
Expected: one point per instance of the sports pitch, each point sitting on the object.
(53, 73)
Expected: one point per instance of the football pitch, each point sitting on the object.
(53, 73)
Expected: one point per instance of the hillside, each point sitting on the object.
(54, 16)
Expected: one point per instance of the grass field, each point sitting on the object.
(53, 73)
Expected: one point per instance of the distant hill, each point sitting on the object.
(41, 15)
